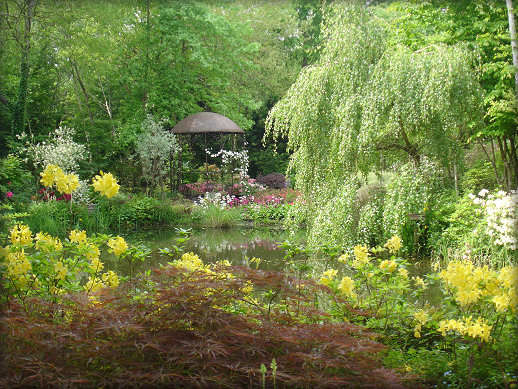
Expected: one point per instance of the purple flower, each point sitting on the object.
(9, 195)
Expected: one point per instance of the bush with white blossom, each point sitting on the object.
(501, 216)
(229, 158)
(60, 150)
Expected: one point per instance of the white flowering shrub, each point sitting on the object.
(60, 150)
(230, 158)
(154, 149)
(82, 193)
(213, 199)
(501, 216)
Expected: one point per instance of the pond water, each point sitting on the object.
(236, 245)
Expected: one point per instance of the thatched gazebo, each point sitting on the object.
(203, 123)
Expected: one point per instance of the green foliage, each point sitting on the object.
(478, 177)
(155, 149)
(15, 178)
(481, 26)
(215, 216)
(411, 192)
(370, 223)
(56, 217)
(365, 105)
(118, 214)
(268, 214)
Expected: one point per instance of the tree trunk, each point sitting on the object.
(514, 43)
(513, 158)
(19, 109)
(83, 89)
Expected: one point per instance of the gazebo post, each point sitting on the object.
(179, 167)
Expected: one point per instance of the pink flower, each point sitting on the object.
(9, 195)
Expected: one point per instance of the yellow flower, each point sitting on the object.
(18, 265)
(48, 175)
(479, 329)
(56, 291)
(491, 287)
(21, 234)
(343, 258)
(508, 276)
(328, 276)
(346, 286)
(419, 282)
(110, 279)
(47, 243)
(393, 244)
(467, 326)
(91, 251)
(388, 265)
(105, 184)
(118, 246)
(61, 270)
(77, 236)
(421, 316)
(467, 296)
(403, 272)
(248, 288)
(502, 302)
(96, 265)
(361, 255)
(66, 183)
(93, 285)
(190, 262)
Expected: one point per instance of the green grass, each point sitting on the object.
(213, 216)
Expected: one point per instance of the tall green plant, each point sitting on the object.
(366, 105)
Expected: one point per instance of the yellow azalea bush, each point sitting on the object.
(371, 281)
(43, 265)
(470, 283)
(394, 244)
(106, 184)
(467, 309)
(118, 246)
(467, 326)
(53, 175)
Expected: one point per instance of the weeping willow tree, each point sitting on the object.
(366, 106)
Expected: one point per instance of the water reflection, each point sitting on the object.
(236, 245)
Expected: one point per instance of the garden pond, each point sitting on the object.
(239, 245)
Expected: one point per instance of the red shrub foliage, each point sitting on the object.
(189, 330)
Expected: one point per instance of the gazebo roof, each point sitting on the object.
(206, 122)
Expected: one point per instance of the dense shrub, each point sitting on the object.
(16, 183)
(481, 176)
(190, 329)
(119, 214)
(273, 180)
(58, 217)
(266, 214)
